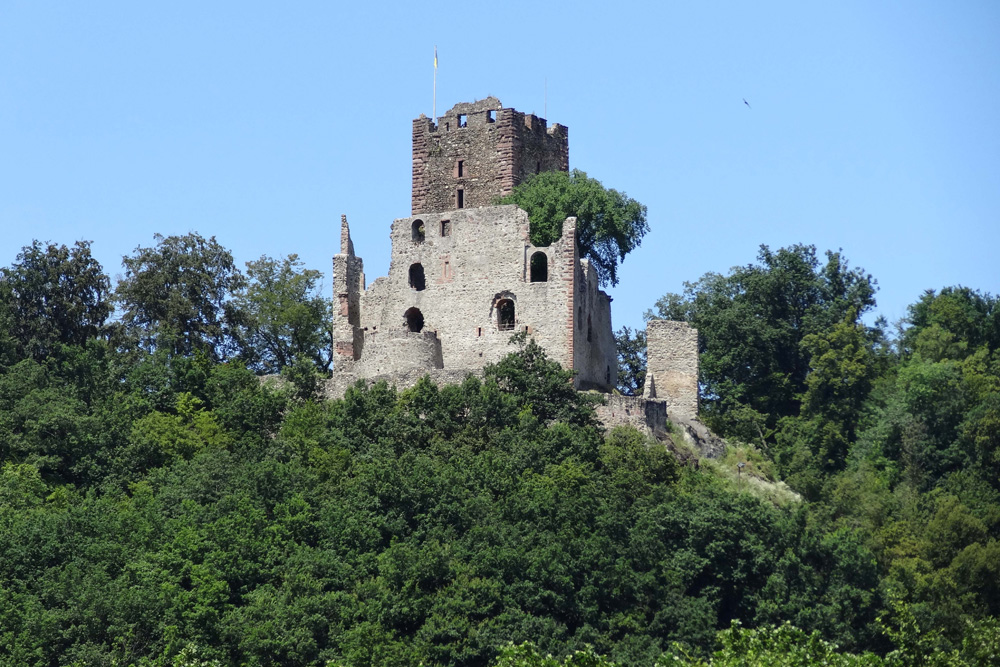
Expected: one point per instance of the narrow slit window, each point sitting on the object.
(461, 198)
(460, 168)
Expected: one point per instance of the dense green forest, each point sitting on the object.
(161, 505)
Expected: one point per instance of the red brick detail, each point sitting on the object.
(421, 128)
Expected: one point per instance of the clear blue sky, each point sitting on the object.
(874, 127)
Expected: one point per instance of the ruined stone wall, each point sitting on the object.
(395, 351)
(373, 302)
(497, 149)
(348, 285)
(478, 259)
(595, 357)
(672, 365)
(336, 386)
(649, 416)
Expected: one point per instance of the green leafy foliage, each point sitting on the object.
(160, 504)
(286, 318)
(53, 295)
(752, 324)
(178, 296)
(609, 224)
(631, 348)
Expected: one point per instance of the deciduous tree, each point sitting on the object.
(751, 326)
(179, 294)
(631, 347)
(54, 295)
(286, 317)
(609, 224)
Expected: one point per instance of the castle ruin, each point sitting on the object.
(464, 276)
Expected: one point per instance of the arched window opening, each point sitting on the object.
(417, 281)
(414, 320)
(505, 315)
(417, 231)
(590, 330)
(539, 267)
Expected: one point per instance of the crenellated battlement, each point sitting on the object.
(479, 151)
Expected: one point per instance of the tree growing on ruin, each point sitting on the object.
(609, 223)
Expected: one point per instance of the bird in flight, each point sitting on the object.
(747, 103)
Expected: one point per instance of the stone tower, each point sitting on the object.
(672, 365)
(477, 152)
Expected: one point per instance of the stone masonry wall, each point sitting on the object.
(336, 386)
(497, 147)
(348, 283)
(482, 258)
(451, 273)
(672, 365)
(595, 357)
(395, 351)
(649, 416)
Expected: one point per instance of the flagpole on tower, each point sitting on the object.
(435, 104)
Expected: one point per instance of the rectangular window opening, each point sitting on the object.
(446, 228)
(460, 169)
(491, 116)
(462, 120)
(479, 332)
(461, 198)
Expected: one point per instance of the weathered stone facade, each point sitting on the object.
(672, 365)
(460, 284)
(464, 277)
(478, 151)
